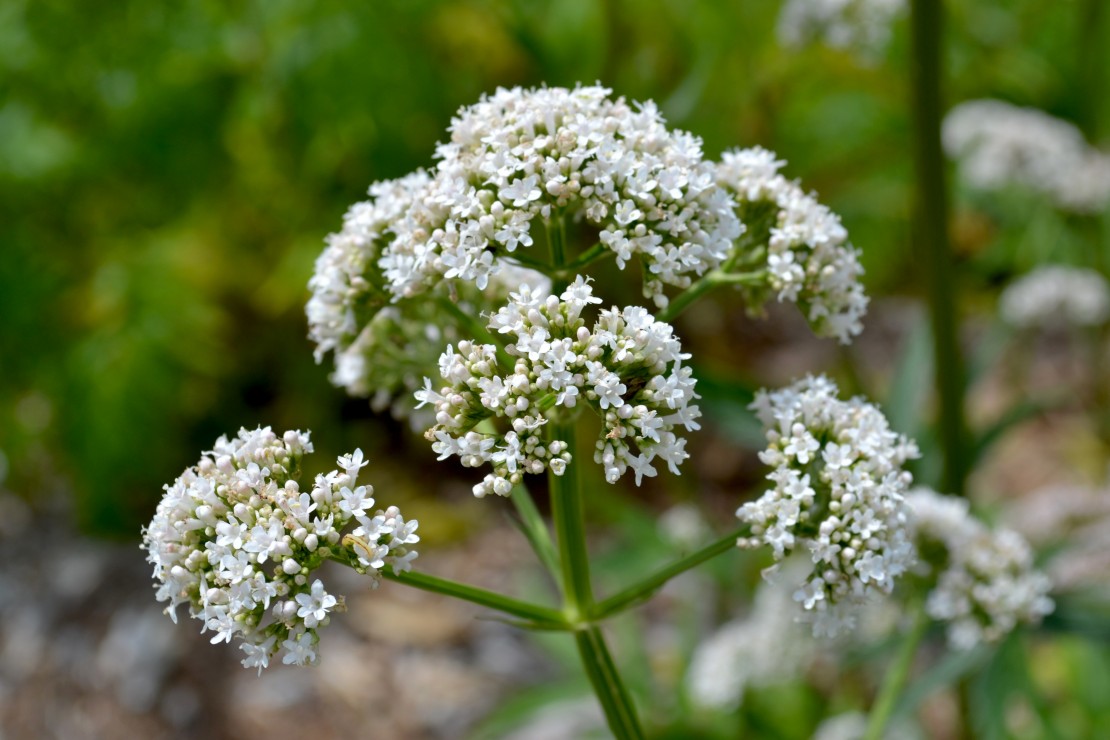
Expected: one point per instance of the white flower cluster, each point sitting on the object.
(1000, 144)
(805, 247)
(347, 285)
(627, 367)
(517, 156)
(985, 581)
(863, 25)
(1056, 294)
(235, 537)
(766, 647)
(550, 153)
(839, 493)
(403, 342)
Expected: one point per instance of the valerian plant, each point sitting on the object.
(461, 298)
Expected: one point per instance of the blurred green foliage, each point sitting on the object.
(168, 170)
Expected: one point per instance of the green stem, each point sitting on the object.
(478, 330)
(610, 689)
(557, 243)
(523, 261)
(931, 230)
(535, 529)
(708, 282)
(587, 258)
(566, 510)
(1092, 67)
(640, 592)
(539, 616)
(895, 679)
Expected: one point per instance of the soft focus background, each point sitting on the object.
(167, 174)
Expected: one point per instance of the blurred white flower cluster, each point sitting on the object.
(839, 493)
(860, 25)
(766, 647)
(627, 367)
(236, 538)
(1055, 295)
(999, 144)
(807, 254)
(985, 581)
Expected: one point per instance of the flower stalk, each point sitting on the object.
(566, 510)
(895, 679)
(534, 615)
(639, 592)
(931, 229)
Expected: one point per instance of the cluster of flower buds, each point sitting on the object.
(801, 243)
(984, 583)
(237, 540)
(627, 367)
(1054, 295)
(1000, 145)
(839, 493)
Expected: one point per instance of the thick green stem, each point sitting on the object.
(931, 232)
(643, 590)
(895, 679)
(538, 616)
(610, 689)
(566, 510)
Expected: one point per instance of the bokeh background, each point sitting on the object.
(168, 172)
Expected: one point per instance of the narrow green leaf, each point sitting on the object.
(909, 388)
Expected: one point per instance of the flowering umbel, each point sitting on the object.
(839, 493)
(983, 583)
(627, 367)
(236, 539)
(799, 242)
(1055, 295)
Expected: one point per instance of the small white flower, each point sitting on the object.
(314, 605)
(300, 649)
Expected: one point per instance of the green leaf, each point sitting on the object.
(912, 380)
(946, 672)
